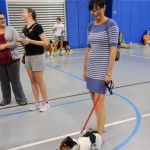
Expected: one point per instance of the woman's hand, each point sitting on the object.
(107, 78)
(2, 47)
(18, 40)
(26, 41)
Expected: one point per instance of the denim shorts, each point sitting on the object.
(35, 62)
(59, 37)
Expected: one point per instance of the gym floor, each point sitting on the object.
(127, 110)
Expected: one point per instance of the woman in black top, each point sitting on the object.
(34, 41)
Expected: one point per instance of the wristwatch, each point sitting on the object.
(109, 74)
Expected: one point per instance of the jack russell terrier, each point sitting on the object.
(91, 140)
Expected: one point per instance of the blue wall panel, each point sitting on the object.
(72, 16)
(3, 9)
(149, 15)
(115, 10)
(119, 14)
(135, 22)
(126, 20)
(78, 17)
(83, 22)
(91, 18)
(132, 17)
(144, 17)
(108, 8)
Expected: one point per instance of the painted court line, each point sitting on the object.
(65, 59)
(83, 57)
(72, 134)
(135, 55)
(147, 115)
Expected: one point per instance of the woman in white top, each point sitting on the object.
(58, 30)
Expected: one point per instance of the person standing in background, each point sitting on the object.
(58, 30)
(35, 63)
(10, 65)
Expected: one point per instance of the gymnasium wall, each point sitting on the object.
(132, 17)
(78, 18)
(3, 9)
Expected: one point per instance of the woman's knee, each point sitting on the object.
(39, 79)
(33, 80)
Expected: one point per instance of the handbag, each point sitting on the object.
(118, 48)
(117, 54)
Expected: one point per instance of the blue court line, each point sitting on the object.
(138, 116)
(58, 68)
(52, 106)
(126, 141)
(136, 128)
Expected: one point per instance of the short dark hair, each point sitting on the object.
(58, 18)
(99, 3)
(1, 13)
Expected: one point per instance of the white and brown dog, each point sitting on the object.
(91, 140)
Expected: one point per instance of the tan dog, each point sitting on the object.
(48, 48)
(52, 47)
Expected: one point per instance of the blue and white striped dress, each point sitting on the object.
(100, 38)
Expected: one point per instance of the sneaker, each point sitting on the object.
(35, 106)
(54, 54)
(60, 54)
(44, 107)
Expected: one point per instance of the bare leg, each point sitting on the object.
(34, 85)
(123, 45)
(99, 111)
(92, 97)
(55, 47)
(61, 45)
(39, 79)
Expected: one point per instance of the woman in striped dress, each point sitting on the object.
(99, 56)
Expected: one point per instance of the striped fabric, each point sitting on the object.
(100, 38)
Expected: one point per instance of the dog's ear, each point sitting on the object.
(69, 138)
(68, 142)
(63, 147)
